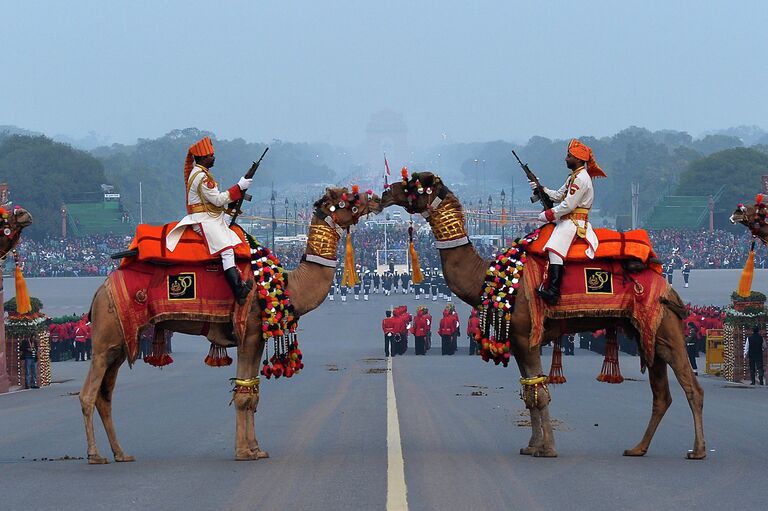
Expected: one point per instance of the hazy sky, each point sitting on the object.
(316, 70)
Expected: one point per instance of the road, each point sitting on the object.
(327, 430)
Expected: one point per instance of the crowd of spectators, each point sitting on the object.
(90, 256)
(72, 257)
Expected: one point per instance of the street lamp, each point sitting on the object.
(490, 209)
(480, 223)
(295, 218)
(274, 221)
(503, 218)
(286, 216)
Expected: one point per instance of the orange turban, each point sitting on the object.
(584, 153)
(200, 148)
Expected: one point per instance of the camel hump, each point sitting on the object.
(149, 245)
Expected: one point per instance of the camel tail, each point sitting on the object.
(674, 303)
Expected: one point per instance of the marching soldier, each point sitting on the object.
(367, 281)
(405, 279)
(419, 329)
(571, 215)
(473, 326)
(390, 326)
(434, 283)
(686, 271)
(429, 327)
(447, 332)
(376, 282)
(206, 213)
(359, 286)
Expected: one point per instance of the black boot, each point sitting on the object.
(239, 288)
(552, 294)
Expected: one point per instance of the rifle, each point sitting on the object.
(538, 193)
(233, 208)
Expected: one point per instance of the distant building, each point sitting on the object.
(386, 133)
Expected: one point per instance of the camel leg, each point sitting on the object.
(694, 394)
(537, 438)
(246, 444)
(88, 393)
(542, 441)
(104, 406)
(657, 376)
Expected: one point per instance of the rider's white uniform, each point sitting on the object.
(577, 192)
(218, 235)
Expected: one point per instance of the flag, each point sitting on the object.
(386, 172)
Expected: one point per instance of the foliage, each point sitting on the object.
(739, 170)
(158, 163)
(10, 305)
(43, 174)
(754, 296)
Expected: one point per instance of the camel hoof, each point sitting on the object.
(527, 451)
(545, 453)
(635, 452)
(124, 458)
(260, 454)
(696, 456)
(95, 459)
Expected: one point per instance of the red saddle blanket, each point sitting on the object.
(146, 293)
(192, 248)
(599, 288)
(611, 245)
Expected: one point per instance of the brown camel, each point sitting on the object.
(746, 215)
(308, 285)
(464, 271)
(17, 220)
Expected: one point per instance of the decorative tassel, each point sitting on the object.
(610, 372)
(350, 277)
(745, 282)
(159, 356)
(556, 370)
(418, 277)
(23, 303)
(218, 356)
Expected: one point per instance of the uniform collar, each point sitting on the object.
(576, 171)
(205, 169)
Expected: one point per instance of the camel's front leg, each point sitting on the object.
(246, 398)
(534, 394)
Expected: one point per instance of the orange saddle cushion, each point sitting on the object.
(611, 245)
(192, 248)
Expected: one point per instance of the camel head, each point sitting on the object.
(417, 193)
(345, 207)
(753, 218)
(12, 221)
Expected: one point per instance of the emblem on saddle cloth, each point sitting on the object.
(598, 281)
(182, 286)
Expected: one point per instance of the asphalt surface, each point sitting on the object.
(326, 431)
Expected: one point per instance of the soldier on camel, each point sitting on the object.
(206, 208)
(571, 215)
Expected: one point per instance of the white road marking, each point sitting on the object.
(397, 491)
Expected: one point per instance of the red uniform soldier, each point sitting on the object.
(447, 331)
(390, 325)
(420, 330)
(473, 326)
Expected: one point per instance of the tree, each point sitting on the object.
(43, 174)
(738, 170)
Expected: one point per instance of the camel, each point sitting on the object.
(11, 227)
(465, 270)
(308, 285)
(748, 217)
